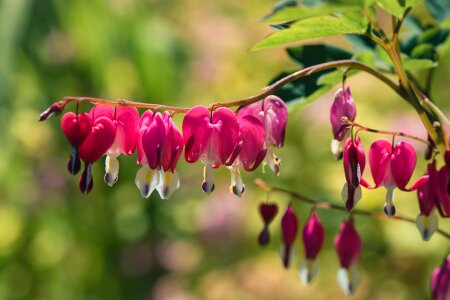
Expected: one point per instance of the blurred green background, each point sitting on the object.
(58, 244)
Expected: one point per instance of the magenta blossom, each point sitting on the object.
(426, 221)
(268, 212)
(313, 237)
(354, 163)
(76, 128)
(393, 166)
(273, 114)
(97, 143)
(342, 106)
(212, 138)
(440, 281)
(160, 144)
(443, 200)
(125, 119)
(348, 248)
(289, 228)
(251, 151)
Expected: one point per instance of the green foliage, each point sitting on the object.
(439, 9)
(317, 27)
(306, 89)
(396, 7)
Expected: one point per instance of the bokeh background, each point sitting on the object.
(58, 244)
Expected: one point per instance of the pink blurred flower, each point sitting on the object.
(313, 237)
(440, 281)
(268, 212)
(289, 228)
(348, 248)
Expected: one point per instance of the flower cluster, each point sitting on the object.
(391, 165)
(347, 244)
(215, 137)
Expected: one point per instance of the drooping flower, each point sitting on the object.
(289, 228)
(354, 164)
(313, 237)
(440, 281)
(160, 144)
(443, 200)
(125, 119)
(97, 143)
(348, 248)
(342, 106)
(76, 128)
(212, 138)
(272, 113)
(392, 166)
(251, 151)
(426, 221)
(268, 212)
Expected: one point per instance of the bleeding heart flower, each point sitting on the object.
(313, 237)
(251, 151)
(76, 128)
(348, 248)
(440, 281)
(268, 212)
(160, 144)
(273, 114)
(289, 228)
(443, 200)
(354, 163)
(125, 119)
(426, 221)
(393, 167)
(212, 138)
(94, 147)
(342, 106)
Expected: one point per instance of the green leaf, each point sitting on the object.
(418, 64)
(438, 9)
(317, 27)
(310, 55)
(279, 6)
(297, 13)
(424, 51)
(396, 7)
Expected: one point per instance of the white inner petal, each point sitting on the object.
(390, 201)
(168, 183)
(237, 186)
(336, 148)
(208, 178)
(348, 279)
(111, 170)
(272, 161)
(308, 270)
(146, 180)
(427, 225)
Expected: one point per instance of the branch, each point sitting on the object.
(345, 120)
(269, 90)
(327, 205)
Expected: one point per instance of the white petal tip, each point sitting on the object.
(427, 225)
(308, 271)
(348, 279)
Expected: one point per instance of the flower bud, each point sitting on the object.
(348, 247)
(289, 228)
(342, 106)
(426, 221)
(354, 163)
(268, 212)
(440, 281)
(313, 237)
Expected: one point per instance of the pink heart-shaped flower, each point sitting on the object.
(76, 128)
(99, 140)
